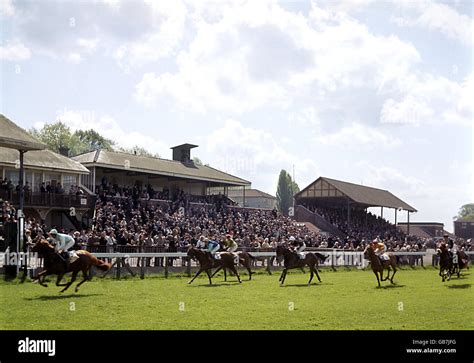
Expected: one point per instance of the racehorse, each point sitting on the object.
(447, 267)
(291, 260)
(206, 264)
(55, 264)
(245, 259)
(378, 267)
(445, 262)
(463, 262)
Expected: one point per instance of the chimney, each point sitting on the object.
(182, 152)
(64, 150)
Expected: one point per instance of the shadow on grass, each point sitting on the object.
(393, 286)
(59, 297)
(463, 286)
(305, 285)
(230, 283)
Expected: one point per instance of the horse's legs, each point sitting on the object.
(234, 270)
(377, 276)
(58, 280)
(283, 275)
(225, 275)
(73, 278)
(311, 275)
(41, 276)
(85, 278)
(315, 269)
(394, 272)
(250, 272)
(209, 275)
(217, 270)
(197, 274)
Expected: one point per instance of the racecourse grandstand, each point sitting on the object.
(340, 208)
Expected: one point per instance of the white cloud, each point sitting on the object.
(358, 136)
(159, 43)
(257, 54)
(108, 127)
(254, 154)
(429, 99)
(132, 32)
(14, 51)
(436, 17)
(6, 8)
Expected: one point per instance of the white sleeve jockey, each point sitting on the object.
(63, 242)
(301, 248)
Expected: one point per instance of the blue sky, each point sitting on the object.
(378, 93)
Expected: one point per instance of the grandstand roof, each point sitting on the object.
(465, 219)
(331, 189)
(152, 165)
(13, 136)
(42, 159)
(250, 193)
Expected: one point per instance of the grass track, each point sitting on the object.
(344, 300)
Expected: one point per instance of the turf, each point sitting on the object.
(346, 299)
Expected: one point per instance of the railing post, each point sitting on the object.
(166, 266)
(188, 267)
(142, 267)
(269, 270)
(118, 267)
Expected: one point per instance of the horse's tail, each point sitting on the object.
(321, 256)
(251, 257)
(102, 265)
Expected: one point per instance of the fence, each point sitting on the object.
(166, 262)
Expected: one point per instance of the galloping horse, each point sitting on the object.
(206, 264)
(291, 260)
(447, 267)
(55, 265)
(245, 259)
(445, 262)
(378, 266)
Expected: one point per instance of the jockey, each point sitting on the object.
(62, 244)
(230, 244)
(453, 250)
(297, 246)
(379, 248)
(201, 243)
(212, 247)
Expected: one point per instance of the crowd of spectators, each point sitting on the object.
(165, 226)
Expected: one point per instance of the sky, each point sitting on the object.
(378, 93)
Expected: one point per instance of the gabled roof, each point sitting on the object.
(42, 159)
(151, 165)
(465, 219)
(250, 193)
(14, 137)
(361, 194)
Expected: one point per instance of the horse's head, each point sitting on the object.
(192, 251)
(281, 251)
(368, 251)
(42, 246)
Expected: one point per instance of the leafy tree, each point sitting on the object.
(92, 140)
(197, 161)
(283, 194)
(466, 211)
(138, 150)
(57, 135)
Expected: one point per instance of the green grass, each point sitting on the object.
(346, 299)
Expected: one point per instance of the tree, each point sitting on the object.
(197, 161)
(283, 194)
(92, 140)
(138, 150)
(57, 135)
(466, 211)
